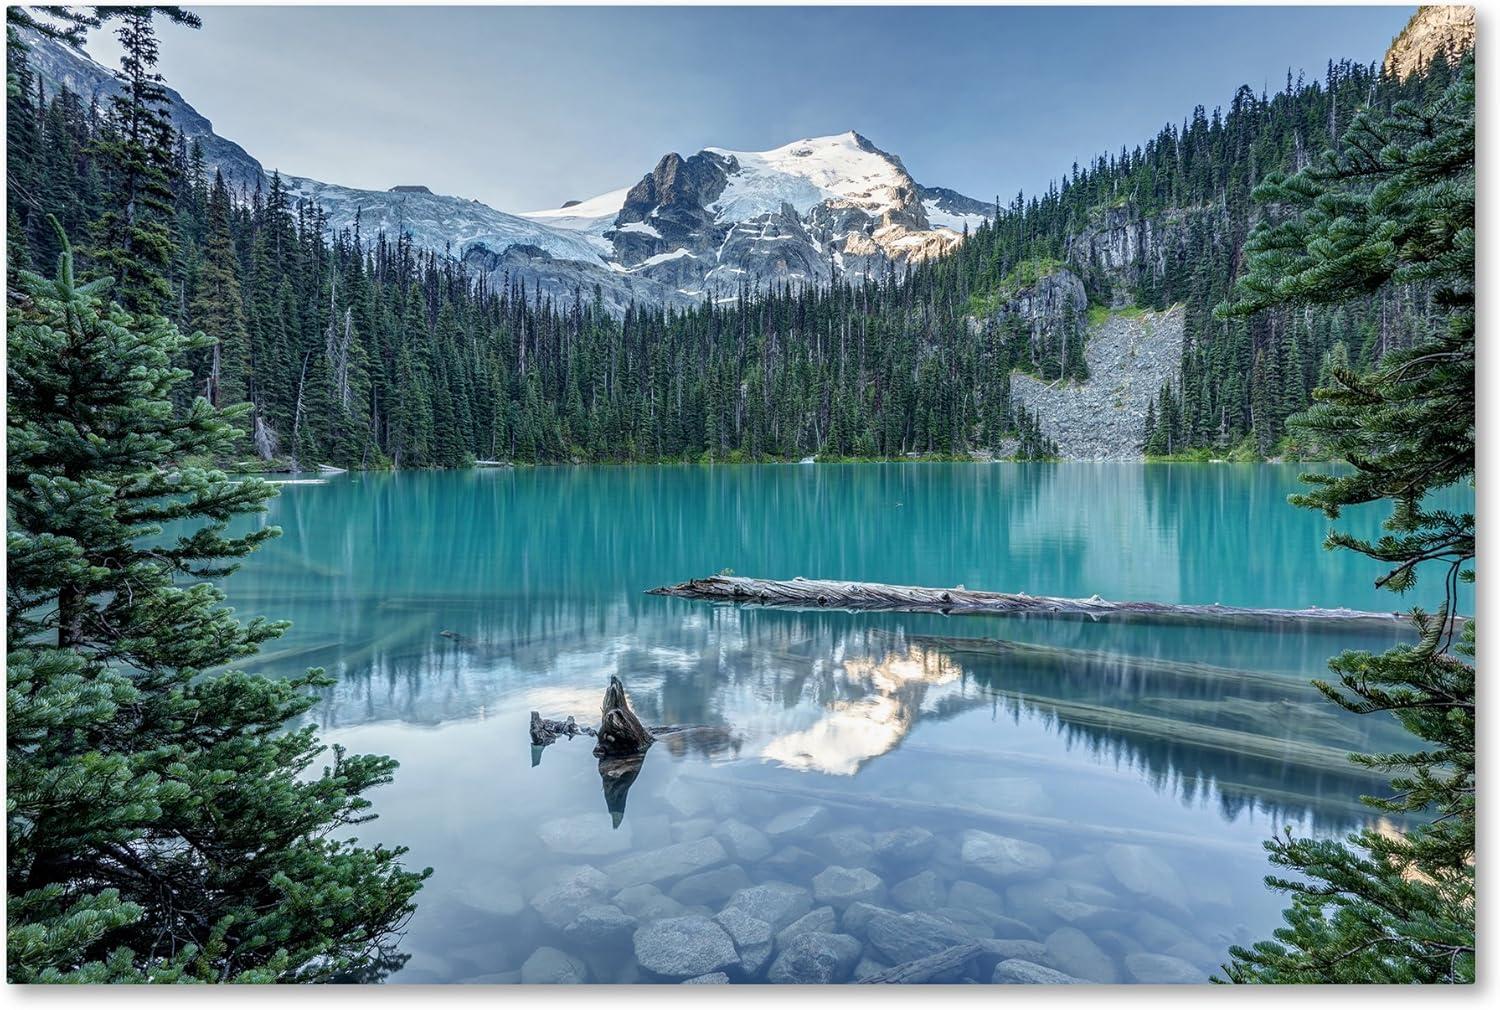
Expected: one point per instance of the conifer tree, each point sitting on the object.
(161, 823)
(1394, 206)
(133, 238)
(218, 306)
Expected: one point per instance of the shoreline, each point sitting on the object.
(843, 461)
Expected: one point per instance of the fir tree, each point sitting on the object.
(160, 824)
(1394, 206)
(218, 306)
(133, 238)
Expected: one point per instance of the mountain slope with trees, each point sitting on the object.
(363, 350)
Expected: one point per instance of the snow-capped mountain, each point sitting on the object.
(800, 213)
(696, 227)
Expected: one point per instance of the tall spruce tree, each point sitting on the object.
(161, 822)
(218, 307)
(1394, 206)
(133, 237)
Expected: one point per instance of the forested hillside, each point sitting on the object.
(360, 350)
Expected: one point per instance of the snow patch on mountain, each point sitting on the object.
(845, 169)
(940, 218)
(439, 222)
(592, 217)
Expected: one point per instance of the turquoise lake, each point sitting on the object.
(860, 767)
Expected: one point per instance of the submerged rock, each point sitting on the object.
(792, 862)
(502, 899)
(904, 845)
(848, 847)
(711, 887)
(699, 827)
(752, 937)
(1025, 950)
(906, 937)
(1083, 914)
(816, 959)
(800, 823)
(550, 966)
(1117, 943)
(920, 893)
(712, 978)
(971, 923)
(1147, 875)
(745, 844)
(1198, 953)
(687, 799)
(586, 835)
(1157, 933)
(1073, 952)
(1012, 794)
(560, 903)
(841, 886)
(856, 918)
(977, 898)
(646, 902)
(1019, 972)
(684, 947)
(778, 903)
(1002, 859)
(1163, 969)
(600, 926)
(680, 860)
(819, 920)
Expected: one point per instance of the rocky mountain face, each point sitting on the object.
(692, 228)
(1129, 356)
(1129, 353)
(1436, 30)
(815, 209)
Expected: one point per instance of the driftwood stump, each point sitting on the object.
(621, 742)
(621, 732)
(545, 731)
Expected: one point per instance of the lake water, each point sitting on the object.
(856, 760)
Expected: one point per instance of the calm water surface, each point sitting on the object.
(1145, 763)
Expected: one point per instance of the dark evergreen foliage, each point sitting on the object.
(160, 822)
(1394, 205)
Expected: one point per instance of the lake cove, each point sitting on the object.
(1053, 796)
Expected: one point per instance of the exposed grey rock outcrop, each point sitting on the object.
(1129, 357)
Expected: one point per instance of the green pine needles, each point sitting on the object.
(162, 821)
(1394, 206)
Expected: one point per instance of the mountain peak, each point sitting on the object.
(1433, 31)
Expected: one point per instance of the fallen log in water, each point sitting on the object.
(827, 594)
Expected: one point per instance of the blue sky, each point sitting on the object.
(524, 108)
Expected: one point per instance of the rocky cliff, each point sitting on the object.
(1129, 355)
(1443, 30)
